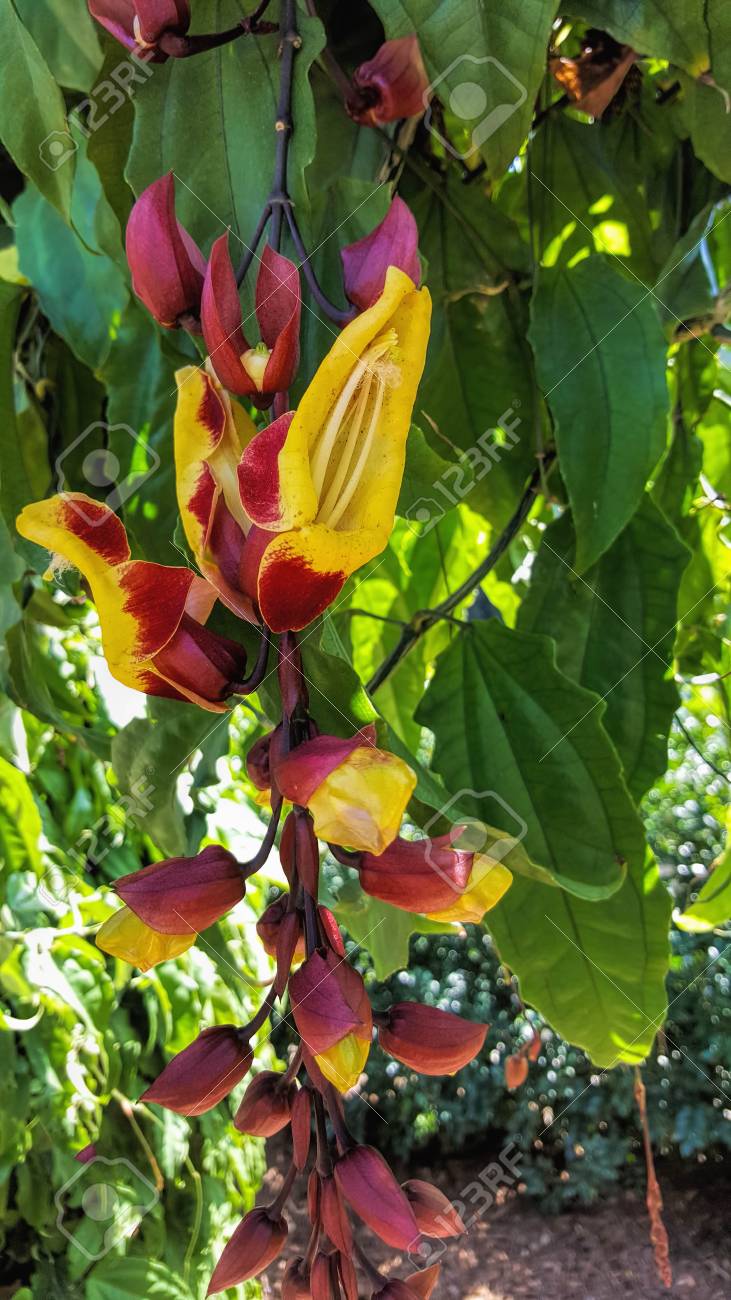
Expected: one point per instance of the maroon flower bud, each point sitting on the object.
(394, 242)
(139, 24)
(301, 1127)
(322, 1283)
(296, 1281)
(257, 762)
(418, 875)
(255, 1244)
(435, 1215)
(200, 662)
(331, 930)
(269, 926)
(184, 895)
(333, 1015)
(266, 1106)
(429, 1040)
(334, 1216)
(259, 372)
(204, 1073)
(425, 1281)
(86, 1155)
(391, 85)
(394, 1289)
(369, 1186)
(348, 1276)
(167, 266)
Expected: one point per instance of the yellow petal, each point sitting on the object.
(488, 881)
(361, 803)
(343, 1064)
(125, 935)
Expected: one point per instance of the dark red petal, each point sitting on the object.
(301, 1127)
(371, 1189)
(266, 1106)
(299, 773)
(204, 1073)
(278, 310)
(417, 875)
(255, 1244)
(201, 662)
(329, 1000)
(221, 322)
(167, 266)
(434, 1213)
(258, 472)
(184, 895)
(395, 242)
(429, 1040)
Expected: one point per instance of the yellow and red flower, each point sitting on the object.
(278, 520)
(152, 616)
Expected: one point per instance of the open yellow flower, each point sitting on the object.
(317, 489)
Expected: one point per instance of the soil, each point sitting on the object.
(515, 1252)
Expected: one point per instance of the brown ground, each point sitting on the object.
(516, 1253)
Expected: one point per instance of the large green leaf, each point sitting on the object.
(486, 63)
(542, 764)
(594, 969)
(600, 355)
(614, 630)
(67, 37)
(666, 29)
(127, 1279)
(82, 292)
(210, 120)
(33, 125)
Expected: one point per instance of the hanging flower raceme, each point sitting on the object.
(391, 85)
(269, 367)
(356, 793)
(429, 1040)
(152, 616)
(433, 877)
(393, 242)
(333, 1015)
(140, 24)
(167, 266)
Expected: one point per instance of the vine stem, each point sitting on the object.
(425, 619)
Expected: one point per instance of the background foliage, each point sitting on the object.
(580, 283)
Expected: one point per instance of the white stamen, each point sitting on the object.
(357, 473)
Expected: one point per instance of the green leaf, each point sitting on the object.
(498, 698)
(82, 293)
(705, 114)
(664, 29)
(15, 481)
(210, 119)
(33, 125)
(614, 630)
(384, 931)
(594, 969)
(485, 63)
(67, 38)
(337, 697)
(128, 1279)
(20, 823)
(712, 907)
(600, 356)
